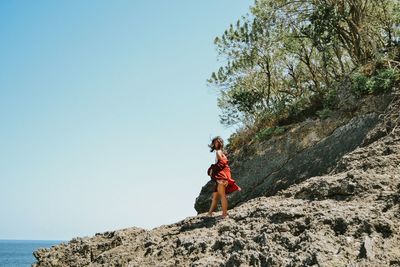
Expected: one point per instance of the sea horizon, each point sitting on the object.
(19, 252)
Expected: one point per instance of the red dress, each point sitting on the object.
(222, 171)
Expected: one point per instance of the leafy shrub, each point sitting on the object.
(266, 133)
(359, 83)
(330, 99)
(381, 81)
(324, 113)
(385, 79)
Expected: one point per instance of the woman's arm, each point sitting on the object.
(209, 171)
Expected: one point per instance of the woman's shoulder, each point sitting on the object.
(221, 154)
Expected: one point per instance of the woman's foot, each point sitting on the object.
(209, 214)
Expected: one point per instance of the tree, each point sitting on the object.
(286, 55)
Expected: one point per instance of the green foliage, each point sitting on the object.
(381, 81)
(359, 83)
(330, 99)
(268, 132)
(324, 113)
(286, 51)
(385, 79)
(283, 61)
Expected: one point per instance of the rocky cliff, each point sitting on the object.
(348, 216)
(305, 150)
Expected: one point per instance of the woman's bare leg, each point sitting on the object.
(224, 201)
(214, 202)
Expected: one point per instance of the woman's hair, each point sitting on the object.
(221, 144)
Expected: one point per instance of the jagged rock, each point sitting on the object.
(347, 217)
(366, 250)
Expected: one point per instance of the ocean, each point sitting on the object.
(16, 253)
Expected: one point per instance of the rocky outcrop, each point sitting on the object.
(307, 149)
(347, 217)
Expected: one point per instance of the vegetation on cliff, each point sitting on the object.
(286, 60)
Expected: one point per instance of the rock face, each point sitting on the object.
(307, 149)
(349, 216)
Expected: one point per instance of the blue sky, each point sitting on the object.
(105, 114)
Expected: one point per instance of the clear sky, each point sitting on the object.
(105, 114)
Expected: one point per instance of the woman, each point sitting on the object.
(220, 172)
